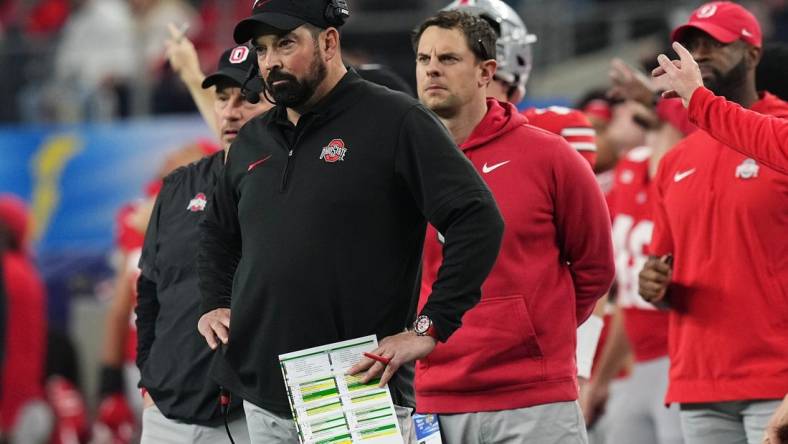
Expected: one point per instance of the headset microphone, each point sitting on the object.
(251, 96)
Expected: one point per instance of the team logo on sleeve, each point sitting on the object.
(334, 152)
(197, 203)
(747, 169)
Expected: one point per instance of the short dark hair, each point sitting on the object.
(479, 35)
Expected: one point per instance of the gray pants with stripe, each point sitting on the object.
(738, 422)
(266, 427)
(555, 423)
(158, 429)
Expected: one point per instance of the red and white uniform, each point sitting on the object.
(568, 123)
(723, 216)
(22, 371)
(516, 347)
(630, 206)
(129, 242)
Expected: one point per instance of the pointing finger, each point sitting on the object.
(684, 55)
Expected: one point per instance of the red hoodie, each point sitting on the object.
(724, 218)
(23, 368)
(516, 348)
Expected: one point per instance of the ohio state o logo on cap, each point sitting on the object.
(707, 11)
(239, 54)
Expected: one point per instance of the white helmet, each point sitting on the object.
(513, 47)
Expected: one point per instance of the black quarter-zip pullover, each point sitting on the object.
(173, 358)
(317, 238)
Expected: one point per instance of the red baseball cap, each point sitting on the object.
(725, 21)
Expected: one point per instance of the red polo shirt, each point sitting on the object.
(724, 217)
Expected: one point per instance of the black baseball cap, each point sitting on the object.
(281, 16)
(234, 65)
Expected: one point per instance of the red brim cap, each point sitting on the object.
(720, 34)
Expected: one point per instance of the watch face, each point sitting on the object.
(423, 324)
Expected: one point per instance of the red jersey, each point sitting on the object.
(568, 123)
(26, 327)
(516, 347)
(129, 242)
(630, 206)
(724, 217)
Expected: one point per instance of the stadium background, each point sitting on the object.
(87, 118)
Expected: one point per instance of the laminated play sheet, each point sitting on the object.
(331, 407)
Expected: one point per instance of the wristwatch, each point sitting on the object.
(423, 327)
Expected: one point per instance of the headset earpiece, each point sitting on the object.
(337, 12)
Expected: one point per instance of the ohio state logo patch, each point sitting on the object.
(197, 203)
(748, 169)
(334, 152)
(239, 54)
(707, 11)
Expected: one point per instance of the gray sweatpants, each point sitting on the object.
(555, 423)
(267, 427)
(637, 409)
(737, 422)
(158, 429)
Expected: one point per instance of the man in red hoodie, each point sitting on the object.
(722, 216)
(509, 372)
(513, 55)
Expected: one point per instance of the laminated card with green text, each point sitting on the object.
(330, 407)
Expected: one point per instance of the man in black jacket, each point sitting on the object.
(181, 403)
(315, 231)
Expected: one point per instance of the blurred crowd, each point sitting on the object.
(88, 60)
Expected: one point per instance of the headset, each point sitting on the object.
(251, 96)
(337, 12)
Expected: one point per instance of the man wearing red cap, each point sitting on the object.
(722, 217)
(762, 137)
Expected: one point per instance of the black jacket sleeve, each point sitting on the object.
(147, 309)
(456, 201)
(220, 244)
